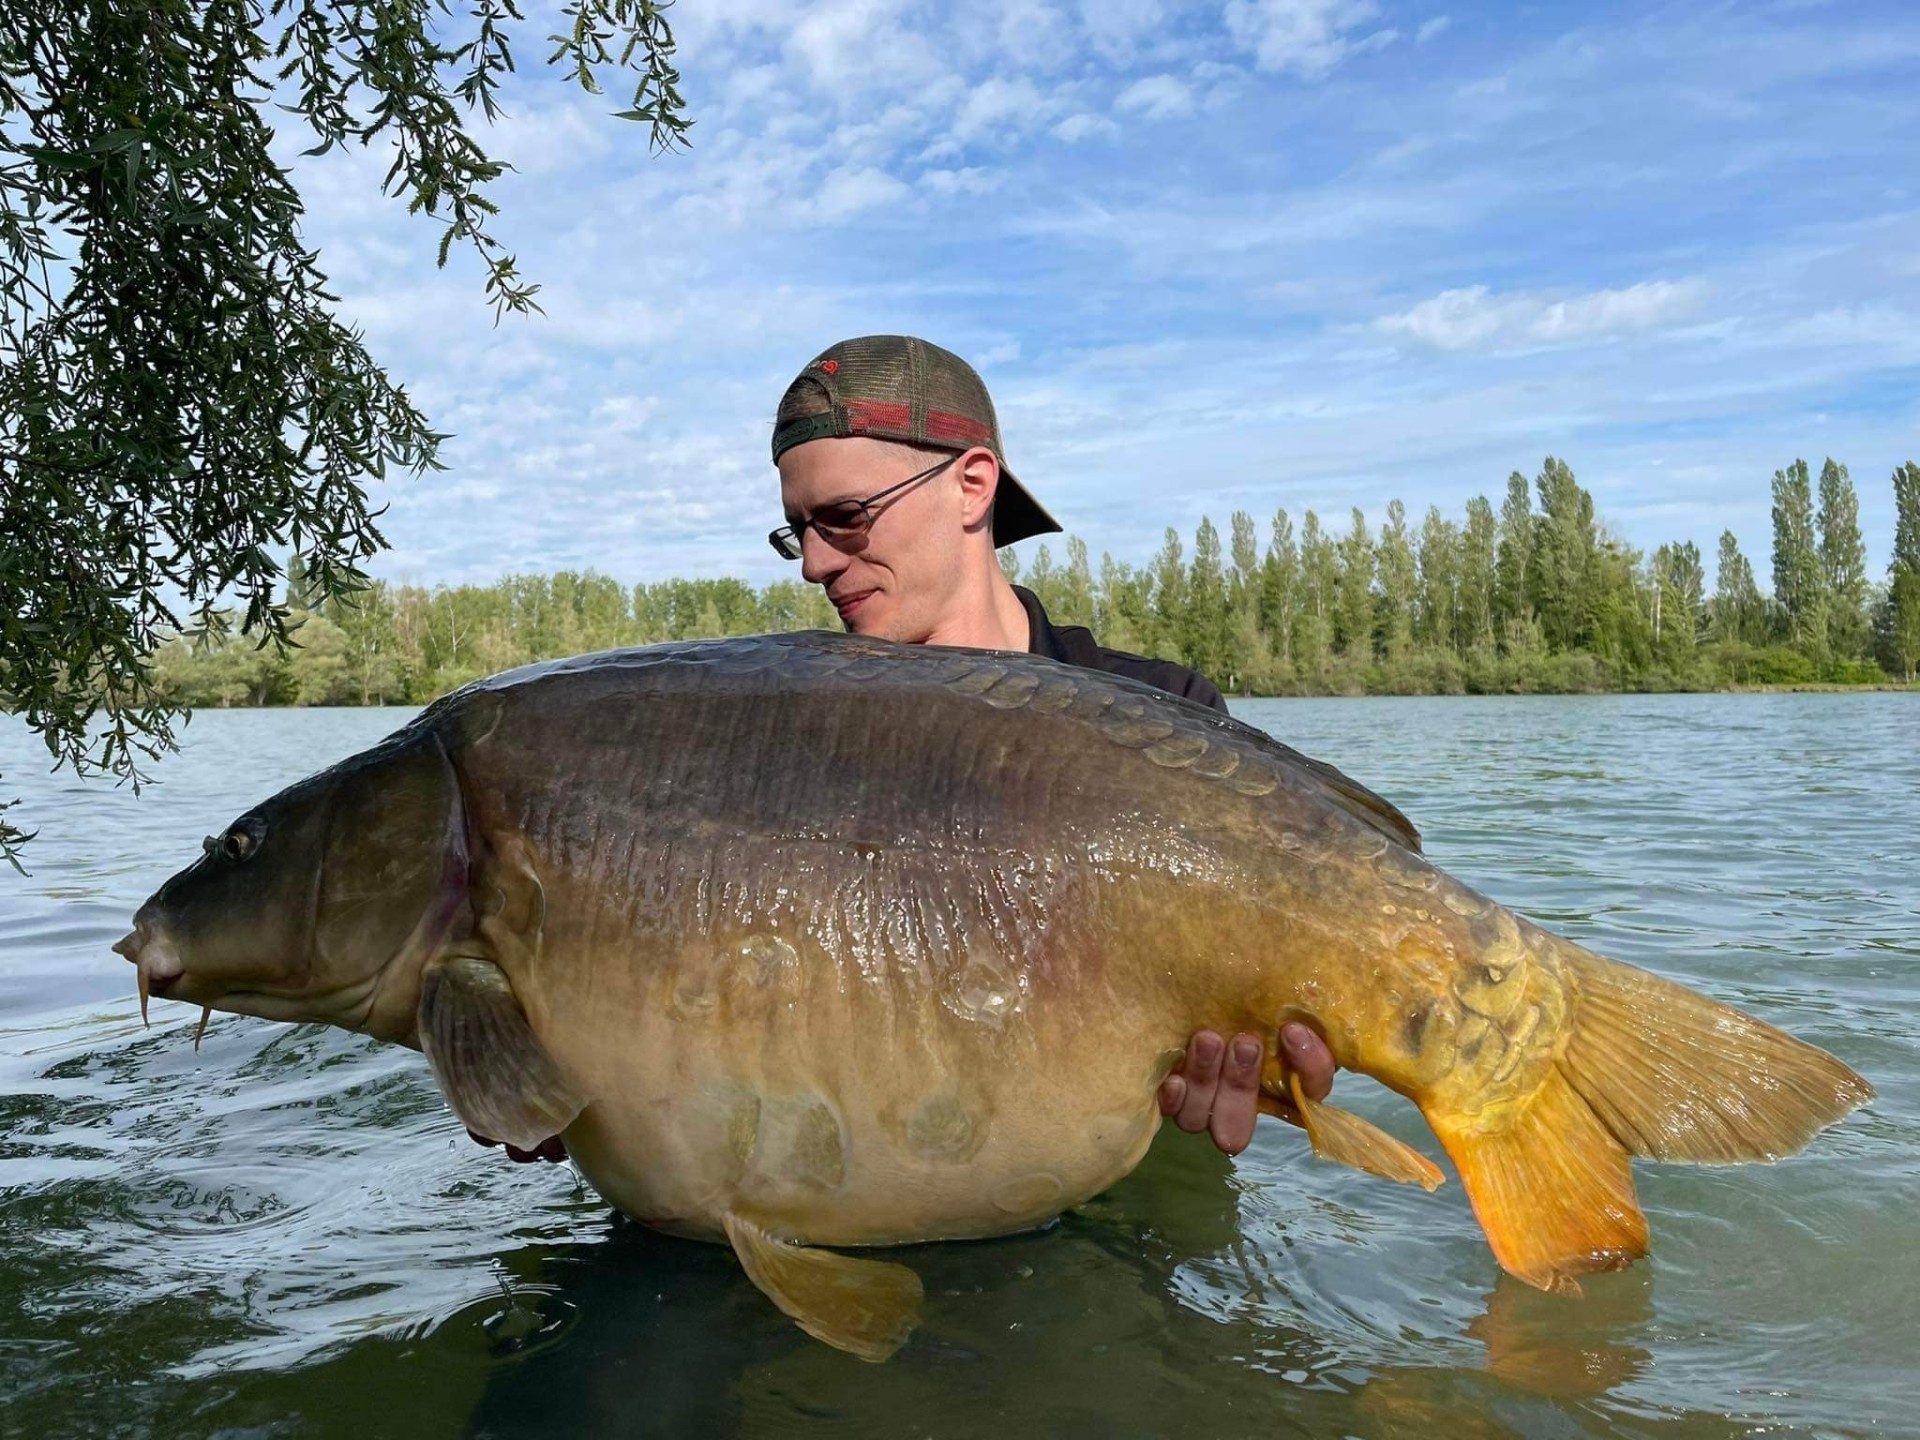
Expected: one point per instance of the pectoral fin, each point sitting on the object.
(1338, 1135)
(864, 1307)
(492, 1068)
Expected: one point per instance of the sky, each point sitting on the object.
(1234, 255)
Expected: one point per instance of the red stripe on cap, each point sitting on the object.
(879, 415)
(945, 425)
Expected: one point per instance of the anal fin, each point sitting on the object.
(864, 1307)
(1345, 1137)
(492, 1068)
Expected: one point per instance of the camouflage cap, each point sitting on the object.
(897, 387)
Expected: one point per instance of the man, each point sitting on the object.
(897, 494)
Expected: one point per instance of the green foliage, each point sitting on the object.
(1843, 563)
(1738, 612)
(178, 404)
(1286, 622)
(1899, 622)
(1799, 583)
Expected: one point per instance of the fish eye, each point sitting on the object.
(242, 839)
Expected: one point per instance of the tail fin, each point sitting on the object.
(1676, 1076)
(1648, 1068)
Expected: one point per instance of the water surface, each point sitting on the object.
(287, 1234)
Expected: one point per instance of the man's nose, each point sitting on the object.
(819, 561)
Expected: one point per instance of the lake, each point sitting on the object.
(287, 1233)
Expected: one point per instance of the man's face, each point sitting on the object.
(895, 580)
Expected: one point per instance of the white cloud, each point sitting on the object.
(851, 189)
(1080, 126)
(1158, 97)
(1308, 37)
(854, 46)
(972, 180)
(1000, 107)
(1431, 29)
(1477, 319)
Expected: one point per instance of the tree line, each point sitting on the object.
(1534, 595)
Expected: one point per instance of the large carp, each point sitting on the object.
(814, 940)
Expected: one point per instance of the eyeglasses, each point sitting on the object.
(843, 520)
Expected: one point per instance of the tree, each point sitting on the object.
(1076, 585)
(1353, 616)
(1169, 597)
(1737, 611)
(1798, 583)
(1279, 587)
(1903, 575)
(1209, 642)
(1399, 582)
(1843, 562)
(1438, 557)
(1243, 578)
(1678, 582)
(178, 403)
(1561, 584)
(1515, 553)
(1319, 580)
(1478, 582)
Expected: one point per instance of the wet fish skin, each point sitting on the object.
(820, 940)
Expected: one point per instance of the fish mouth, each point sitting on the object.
(159, 970)
(157, 965)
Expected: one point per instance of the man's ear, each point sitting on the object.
(979, 482)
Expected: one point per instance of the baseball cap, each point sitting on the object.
(898, 387)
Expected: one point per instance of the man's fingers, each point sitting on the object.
(1173, 1093)
(1307, 1056)
(1202, 1075)
(1236, 1106)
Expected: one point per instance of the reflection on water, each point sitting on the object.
(287, 1234)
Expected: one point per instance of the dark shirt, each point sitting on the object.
(1075, 645)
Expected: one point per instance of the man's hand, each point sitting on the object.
(548, 1149)
(1217, 1086)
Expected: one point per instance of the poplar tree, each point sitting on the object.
(1515, 553)
(1679, 582)
(1319, 578)
(1560, 581)
(1738, 613)
(1353, 617)
(1798, 582)
(1843, 562)
(1438, 559)
(1169, 596)
(1076, 585)
(1399, 582)
(1279, 587)
(1208, 642)
(1243, 579)
(1478, 576)
(1903, 575)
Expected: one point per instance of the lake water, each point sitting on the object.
(287, 1233)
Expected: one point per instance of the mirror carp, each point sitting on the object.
(814, 941)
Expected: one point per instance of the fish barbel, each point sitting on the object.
(810, 940)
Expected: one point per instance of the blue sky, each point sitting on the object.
(1210, 256)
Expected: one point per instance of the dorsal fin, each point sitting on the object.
(1360, 802)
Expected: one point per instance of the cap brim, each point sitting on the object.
(1016, 514)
